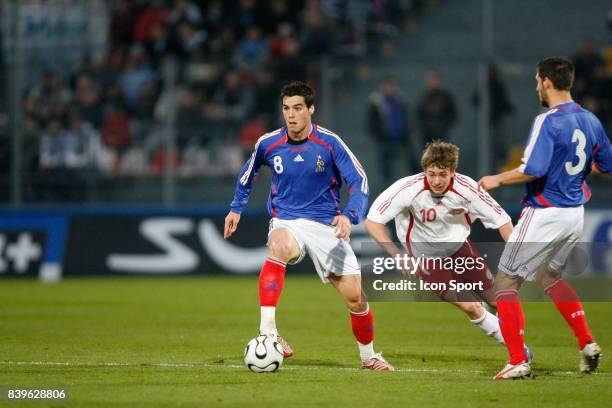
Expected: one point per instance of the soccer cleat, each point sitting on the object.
(528, 354)
(377, 363)
(287, 350)
(589, 358)
(514, 371)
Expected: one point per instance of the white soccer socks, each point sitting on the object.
(489, 325)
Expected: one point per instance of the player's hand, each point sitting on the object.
(231, 224)
(342, 226)
(488, 183)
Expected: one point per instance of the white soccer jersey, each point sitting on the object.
(421, 217)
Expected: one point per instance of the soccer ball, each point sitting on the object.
(263, 354)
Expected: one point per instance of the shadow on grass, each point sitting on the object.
(442, 358)
(315, 363)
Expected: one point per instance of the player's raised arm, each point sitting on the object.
(488, 183)
(243, 189)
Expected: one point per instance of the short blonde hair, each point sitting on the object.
(440, 154)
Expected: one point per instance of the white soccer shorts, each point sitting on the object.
(329, 254)
(542, 236)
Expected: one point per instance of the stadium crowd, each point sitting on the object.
(111, 113)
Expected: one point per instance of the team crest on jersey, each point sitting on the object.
(320, 165)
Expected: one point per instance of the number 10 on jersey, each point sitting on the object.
(428, 215)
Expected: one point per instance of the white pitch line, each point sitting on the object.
(285, 368)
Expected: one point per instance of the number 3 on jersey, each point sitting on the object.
(579, 137)
(278, 164)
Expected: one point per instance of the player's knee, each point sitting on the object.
(355, 302)
(548, 276)
(282, 249)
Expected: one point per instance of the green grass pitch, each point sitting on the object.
(179, 342)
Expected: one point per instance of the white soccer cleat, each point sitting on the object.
(514, 371)
(589, 358)
(377, 363)
(287, 350)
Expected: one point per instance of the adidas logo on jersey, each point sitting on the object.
(298, 158)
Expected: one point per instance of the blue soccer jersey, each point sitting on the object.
(563, 144)
(306, 177)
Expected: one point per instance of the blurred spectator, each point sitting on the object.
(436, 110)
(593, 80)
(267, 96)
(245, 16)
(49, 98)
(185, 10)
(291, 66)
(215, 17)
(117, 129)
(279, 43)
(29, 148)
(389, 16)
(123, 19)
(231, 104)
(253, 49)
(101, 73)
(135, 77)
(87, 101)
(201, 72)
(190, 129)
(222, 46)
(500, 108)
(156, 13)
(83, 148)
(160, 44)
(387, 122)
(278, 13)
(318, 35)
(189, 40)
(53, 145)
(589, 66)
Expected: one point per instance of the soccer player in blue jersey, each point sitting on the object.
(566, 142)
(308, 165)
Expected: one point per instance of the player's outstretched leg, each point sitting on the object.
(283, 248)
(482, 318)
(362, 321)
(567, 303)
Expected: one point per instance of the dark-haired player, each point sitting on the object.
(308, 164)
(565, 143)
